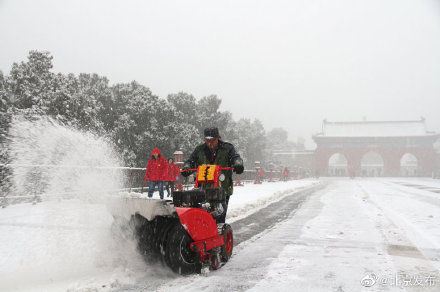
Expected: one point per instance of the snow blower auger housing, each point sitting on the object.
(184, 233)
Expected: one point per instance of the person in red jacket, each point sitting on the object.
(262, 174)
(286, 173)
(172, 176)
(156, 172)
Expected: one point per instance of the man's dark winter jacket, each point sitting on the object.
(225, 155)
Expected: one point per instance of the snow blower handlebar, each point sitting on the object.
(208, 173)
(194, 169)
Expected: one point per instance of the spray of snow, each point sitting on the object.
(69, 234)
(66, 161)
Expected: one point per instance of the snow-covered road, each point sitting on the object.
(382, 233)
(375, 231)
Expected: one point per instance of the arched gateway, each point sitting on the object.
(390, 139)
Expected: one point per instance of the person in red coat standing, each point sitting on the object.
(172, 176)
(157, 169)
(262, 174)
(286, 173)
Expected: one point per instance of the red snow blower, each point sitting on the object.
(185, 233)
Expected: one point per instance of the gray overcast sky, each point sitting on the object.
(288, 63)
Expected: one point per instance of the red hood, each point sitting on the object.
(156, 150)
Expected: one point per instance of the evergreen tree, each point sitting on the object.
(277, 140)
(4, 106)
(129, 113)
(137, 129)
(31, 83)
(5, 119)
(251, 141)
(93, 93)
(186, 106)
(210, 116)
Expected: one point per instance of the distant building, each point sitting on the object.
(376, 148)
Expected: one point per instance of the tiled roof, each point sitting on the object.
(374, 129)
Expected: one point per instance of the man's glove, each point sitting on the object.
(185, 170)
(238, 166)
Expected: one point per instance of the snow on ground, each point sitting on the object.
(351, 235)
(250, 198)
(415, 211)
(427, 182)
(366, 230)
(45, 246)
(68, 244)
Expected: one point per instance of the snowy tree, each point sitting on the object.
(60, 106)
(139, 127)
(251, 141)
(93, 93)
(4, 105)
(183, 122)
(5, 115)
(128, 113)
(78, 101)
(194, 116)
(34, 89)
(210, 116)
(5, 119)
(230, 133)
(31, 83)
(277, 140)
(186, 106)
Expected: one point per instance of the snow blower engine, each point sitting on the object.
(185, 234)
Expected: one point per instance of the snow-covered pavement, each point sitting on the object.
(62, 244)
(350, 235)
(246, 200)
(352, 231)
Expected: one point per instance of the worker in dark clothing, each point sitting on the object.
(218, 152)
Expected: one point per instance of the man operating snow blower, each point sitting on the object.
(189, 233)
(217, 152)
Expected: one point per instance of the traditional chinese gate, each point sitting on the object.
(390, 139)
